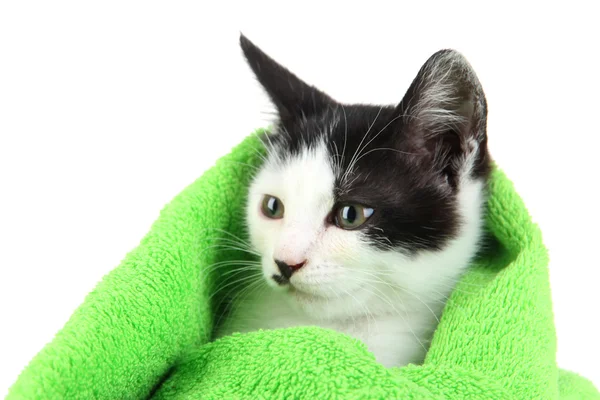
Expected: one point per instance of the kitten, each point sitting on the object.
(366, 216)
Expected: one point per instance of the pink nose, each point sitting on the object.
(286, 269)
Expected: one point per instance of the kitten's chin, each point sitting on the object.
(322, 306)
(305, 296)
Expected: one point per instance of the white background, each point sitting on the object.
(108, 110)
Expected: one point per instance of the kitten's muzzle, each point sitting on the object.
(287, 269)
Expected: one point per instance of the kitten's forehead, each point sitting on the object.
(348, 133)
(303, 179)
(349, 154)
(349, 145)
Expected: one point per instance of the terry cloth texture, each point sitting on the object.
(144, 331)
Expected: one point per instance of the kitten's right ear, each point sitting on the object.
(292, 97)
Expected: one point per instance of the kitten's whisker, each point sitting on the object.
(387, 300)
(229, 269)
(345, 137)
(336, 163)
(232, 262)
(396, 293)
(236, 271)
(233, 244)
(225, 265)
(248, 284)
(228, 247)
(254, 167)
(236, 243)
(260, 155)
(380, 149)
(383, 129)
(229, 241)
(271, 147)
(270, 113)
(425, 304)
(235, 302)
(449, 285)
(365, 307)
(257, 281)
(358, 149)
(354, 161)
(351, 314)
(228, 284)
(241, 240)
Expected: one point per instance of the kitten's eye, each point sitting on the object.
(351, 216)
(272, 207)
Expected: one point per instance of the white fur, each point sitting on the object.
(387, 299)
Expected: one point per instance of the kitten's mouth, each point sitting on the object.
(280, 280)
(297, 291)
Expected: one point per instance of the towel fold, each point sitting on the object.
(145, 330)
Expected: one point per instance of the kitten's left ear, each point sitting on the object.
(443, 114)
(292, 97)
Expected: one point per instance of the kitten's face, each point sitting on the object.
(354, 200)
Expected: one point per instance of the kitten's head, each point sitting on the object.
(355, 200)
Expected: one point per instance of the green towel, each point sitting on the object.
(144, 331)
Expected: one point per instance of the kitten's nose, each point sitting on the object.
(286, 269)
